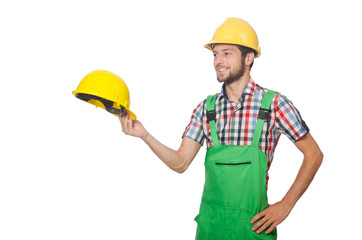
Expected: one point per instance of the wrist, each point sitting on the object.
(288, 203)
(146, 136)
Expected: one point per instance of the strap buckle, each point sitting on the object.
(264, 114)
(211, 115)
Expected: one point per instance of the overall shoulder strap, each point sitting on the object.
(263, 116)
(211, 117)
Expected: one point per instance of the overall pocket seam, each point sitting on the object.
(232, 164)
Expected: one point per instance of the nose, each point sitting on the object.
(218, 59)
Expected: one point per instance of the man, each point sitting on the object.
(241, 125)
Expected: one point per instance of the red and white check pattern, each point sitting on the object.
(235, 122)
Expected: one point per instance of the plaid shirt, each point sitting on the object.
(235, 122)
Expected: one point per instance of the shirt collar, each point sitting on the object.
(249, 90)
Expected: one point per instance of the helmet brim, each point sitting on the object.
(210, 44)
(98, 103)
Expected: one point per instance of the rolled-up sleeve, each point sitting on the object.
(289, 121)
(194, 129)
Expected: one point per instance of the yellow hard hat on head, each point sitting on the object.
(235, 31)
(106, 90)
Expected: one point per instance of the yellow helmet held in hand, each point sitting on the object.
(106, 90)
(235, 31)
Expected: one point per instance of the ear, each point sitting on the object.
(249, 59)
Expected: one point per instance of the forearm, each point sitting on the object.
(176, 160)
(307, 171)
(167, 155)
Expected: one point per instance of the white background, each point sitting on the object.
(68, 172)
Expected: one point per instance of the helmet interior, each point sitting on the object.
(108, 105)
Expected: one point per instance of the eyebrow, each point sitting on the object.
(224, 50)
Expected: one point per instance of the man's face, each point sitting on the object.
(228, 63)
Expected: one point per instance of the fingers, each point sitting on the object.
(257, 217)
(122, 121)
(265, 220)
(271, 228)
(126, 123)
(262, 225)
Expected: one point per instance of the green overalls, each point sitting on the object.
(235, 184)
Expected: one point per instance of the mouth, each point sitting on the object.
(221, 70)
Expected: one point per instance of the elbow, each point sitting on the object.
(314, 158)
(181, 164)
(320, 157)
(181, 169)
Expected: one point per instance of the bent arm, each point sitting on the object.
(313, 157)
(178, 160)
(278, 212)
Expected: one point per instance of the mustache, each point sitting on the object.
(221, 66)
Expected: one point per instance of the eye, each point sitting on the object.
(214, 54)
(227, 53)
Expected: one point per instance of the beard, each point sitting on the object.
(234, 75)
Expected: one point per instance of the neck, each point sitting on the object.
(235, 89)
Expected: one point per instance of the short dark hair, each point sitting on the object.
(245, 51)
